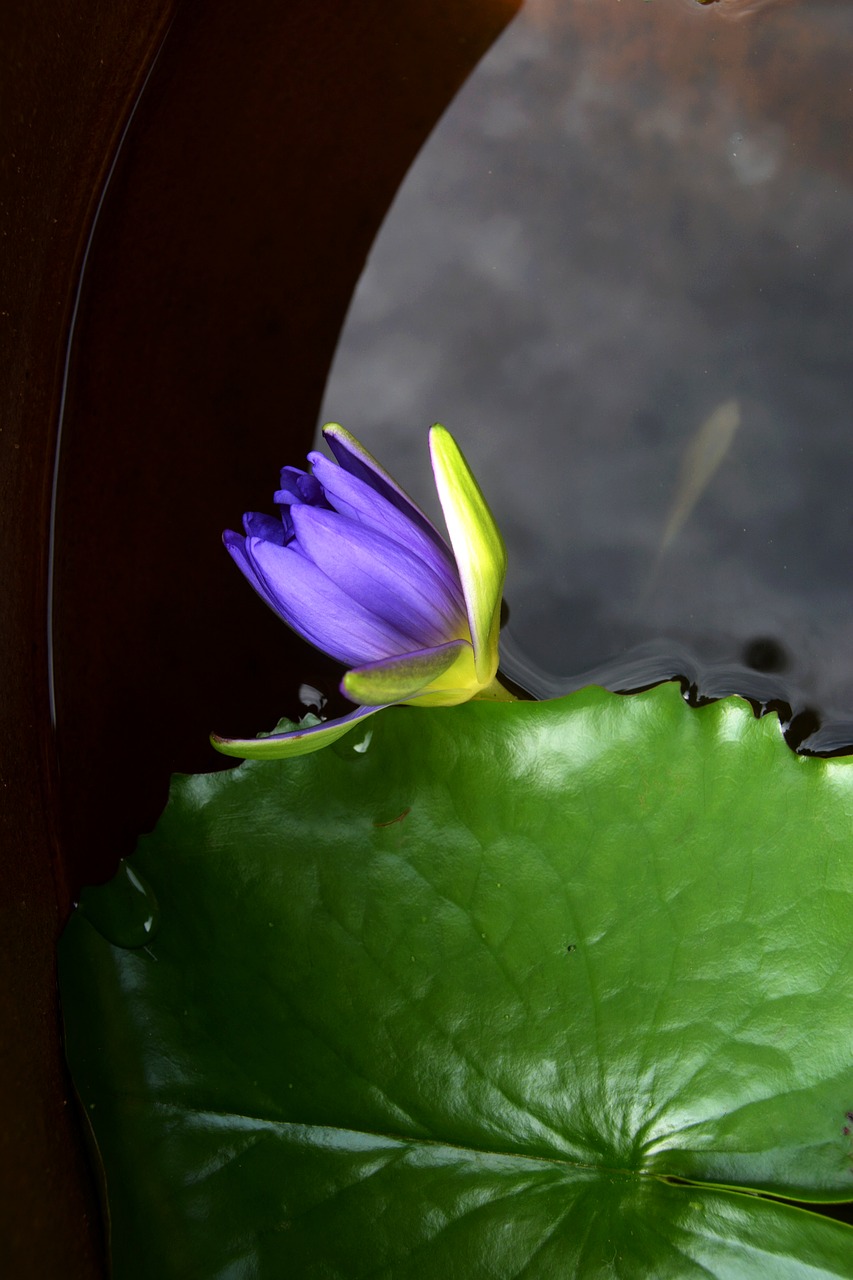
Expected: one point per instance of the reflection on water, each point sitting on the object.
(632, 216)
(743, 8)
(702, 457)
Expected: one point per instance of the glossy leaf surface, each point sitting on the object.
(457, 995)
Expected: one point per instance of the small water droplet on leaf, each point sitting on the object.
(124, 911)
(353, 744)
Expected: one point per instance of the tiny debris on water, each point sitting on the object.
(742, 8)
(391, 821)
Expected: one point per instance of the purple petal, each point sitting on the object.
(258, 525)
(312, 491)
(299, 486)
(355, 459)
(235, 545)
(289, 484)
(354, 498)
(319, 610)
(390, 581)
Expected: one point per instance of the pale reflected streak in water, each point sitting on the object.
(546, 12)
(703, 456)
(745, 8)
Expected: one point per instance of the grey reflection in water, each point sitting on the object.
(630, 216)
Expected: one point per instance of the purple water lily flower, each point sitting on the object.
(356, 568)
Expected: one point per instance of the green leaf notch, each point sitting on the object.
(534, 990)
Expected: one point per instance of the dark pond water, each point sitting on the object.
(620, 271)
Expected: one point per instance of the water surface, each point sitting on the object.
(631, 216)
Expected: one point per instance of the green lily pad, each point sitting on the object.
(539, 990)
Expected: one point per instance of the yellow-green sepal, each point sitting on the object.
(405, 677)
(300, 741)
(477, 545)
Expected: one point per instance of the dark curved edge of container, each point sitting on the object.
(249, 186)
